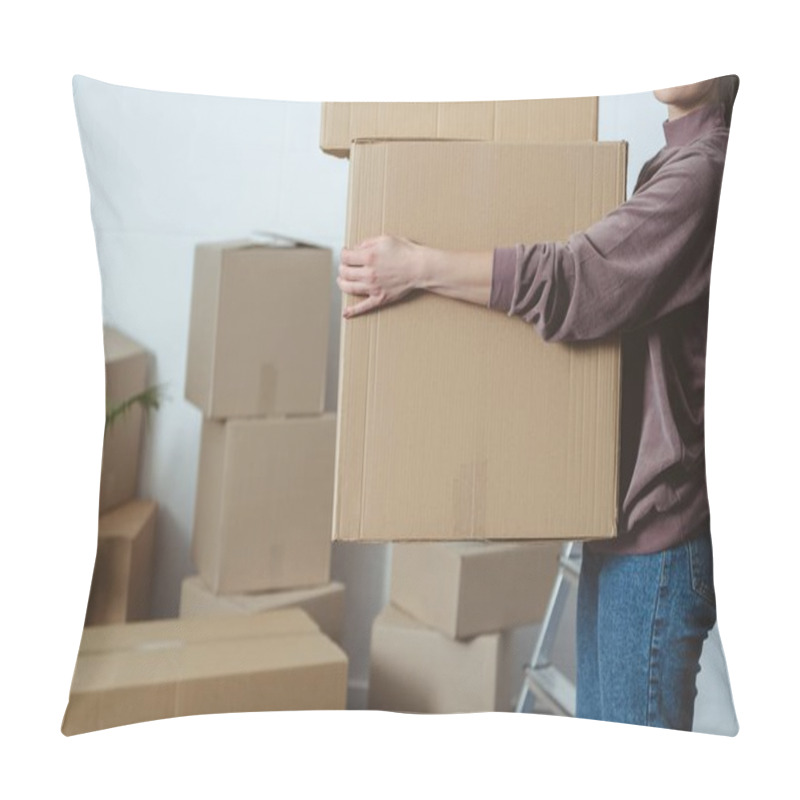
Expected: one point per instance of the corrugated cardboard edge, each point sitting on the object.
(345, 301)
(339, 393)
(621, 192)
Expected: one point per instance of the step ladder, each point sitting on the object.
(542, 681)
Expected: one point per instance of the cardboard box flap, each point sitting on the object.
(268, 239)
(256, 239)
(324, 603)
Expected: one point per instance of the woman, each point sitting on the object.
(646, 599)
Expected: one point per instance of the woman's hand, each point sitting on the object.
(381, 270)
(385, 269)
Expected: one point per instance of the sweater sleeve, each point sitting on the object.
(647, 258)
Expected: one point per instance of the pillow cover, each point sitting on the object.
(168, 173)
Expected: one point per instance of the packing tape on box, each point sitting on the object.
(469, 501)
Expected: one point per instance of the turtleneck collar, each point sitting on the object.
(692, 126)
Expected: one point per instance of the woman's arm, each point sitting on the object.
(640, 262)
(386, 268)
(645, 259)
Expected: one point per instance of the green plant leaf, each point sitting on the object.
(150, 400)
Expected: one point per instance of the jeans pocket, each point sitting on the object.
(701, 564)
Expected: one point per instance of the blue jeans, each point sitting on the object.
(642, 620)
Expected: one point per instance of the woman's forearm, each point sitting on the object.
(459, 275)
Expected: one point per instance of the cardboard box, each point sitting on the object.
(126, 376)
(123, 569)
(258, 332)
(416, 669)
(548, 120)
(159, 669)
(264, 503)
(324, 604)
(468, 588)
(456, 422)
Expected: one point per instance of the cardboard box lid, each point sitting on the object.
(445, 428)
(543, 120)
(127, 521)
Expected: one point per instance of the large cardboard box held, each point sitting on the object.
(417, 669)
(123, 569)
(264, 503)
(142, 671)
(126, 376)
(324, 604)
(547, 120)
(456, 422)
(258, 332)
(468, 588)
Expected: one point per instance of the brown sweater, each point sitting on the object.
(642, 271)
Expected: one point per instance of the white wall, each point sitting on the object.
(169, 170)
(636, 118)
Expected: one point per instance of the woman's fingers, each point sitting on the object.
(360, 274)
(356, 280)
(357, 256)
(367, 304)
(353, 257)
(350, 286)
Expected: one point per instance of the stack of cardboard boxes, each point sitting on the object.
(457, 424)
(256, 368)
(460, 625)
(122, 578)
